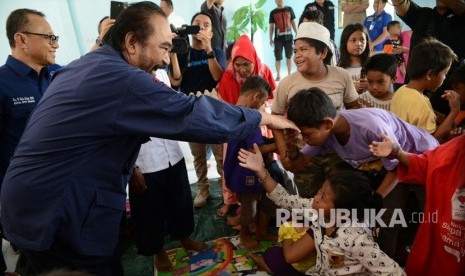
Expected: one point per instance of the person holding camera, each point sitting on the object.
(195, 71)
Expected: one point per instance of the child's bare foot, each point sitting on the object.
(260, 262)
(266, 237)
(161, 262)
(193, 245)
(249, 242)
(233, 221)
(224, 210)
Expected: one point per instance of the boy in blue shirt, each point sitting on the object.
(253, 94)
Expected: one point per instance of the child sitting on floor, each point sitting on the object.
(276, 261)
(253, 94)
(342, 249)
(380, 72)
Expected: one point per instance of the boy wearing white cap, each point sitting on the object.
(311, 56)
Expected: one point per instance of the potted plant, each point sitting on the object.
(250, 16)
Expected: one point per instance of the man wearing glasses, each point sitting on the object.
(24, 78)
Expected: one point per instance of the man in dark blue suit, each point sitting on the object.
(64, 192)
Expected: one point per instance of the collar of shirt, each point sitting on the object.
(23, 70)
(19, 67)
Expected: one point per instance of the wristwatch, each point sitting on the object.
(211, 54)
(99, 42)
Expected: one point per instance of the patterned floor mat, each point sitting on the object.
(224, 257)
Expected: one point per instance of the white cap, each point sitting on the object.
(314, 31)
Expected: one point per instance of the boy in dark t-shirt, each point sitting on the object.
(282, 19)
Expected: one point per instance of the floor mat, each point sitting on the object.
(224, 257)
(208, 227)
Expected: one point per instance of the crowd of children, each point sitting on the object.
(369, 138)
(368, 175)
(343, 158)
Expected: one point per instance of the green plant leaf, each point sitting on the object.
(244, 24)
(241, 14)
(260, 4)
(248, 19)
(232, 34)
(260, 20)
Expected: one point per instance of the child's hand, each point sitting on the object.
(250, 160)
(361, 85)
(454, 100)
(382, 149)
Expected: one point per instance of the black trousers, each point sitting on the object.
(62, 256)
(165, 208)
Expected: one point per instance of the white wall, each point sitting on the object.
(75, 21)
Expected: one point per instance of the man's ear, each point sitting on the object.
(328, 123)
(130, 42)
(20, 40)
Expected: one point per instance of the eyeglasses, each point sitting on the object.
(52, 39)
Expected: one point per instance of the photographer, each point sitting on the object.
(197, 70)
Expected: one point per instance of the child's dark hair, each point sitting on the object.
(384, 63)
(254, 83)
(352, 190)
(344, 61)
(429, 55)
(458, 76)
(319, 48)
(392, 24)
(309, 107)
(315, 16)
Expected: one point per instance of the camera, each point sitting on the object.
(181, 41)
